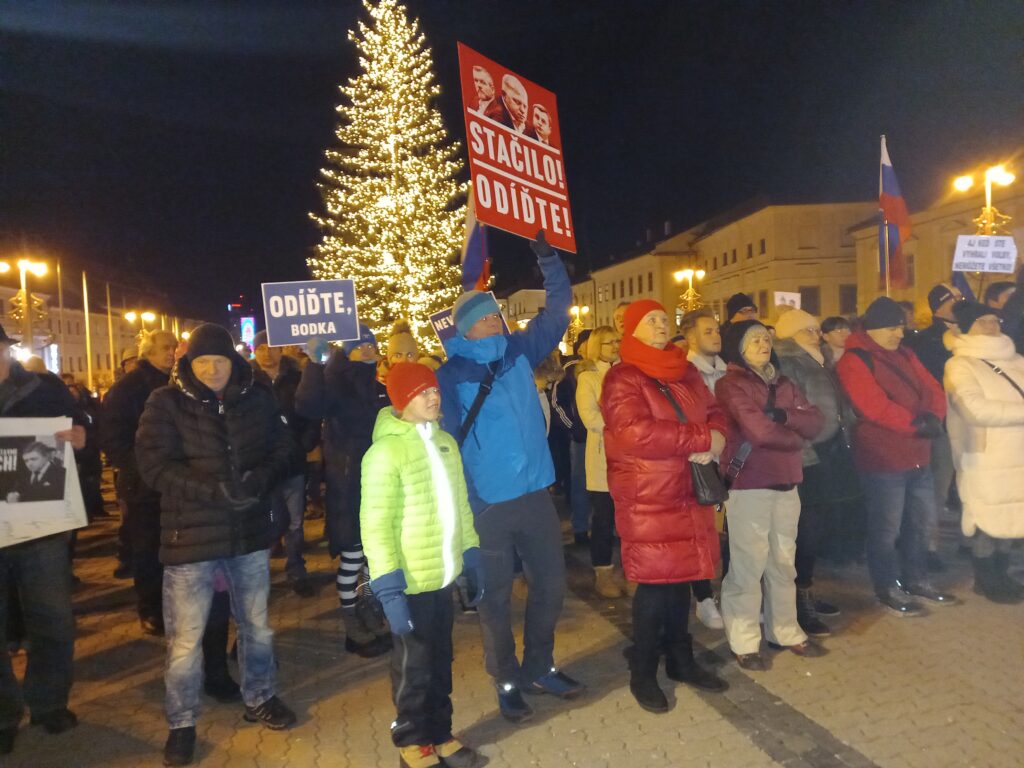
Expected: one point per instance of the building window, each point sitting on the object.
(650, 282)
(613, 291)
(622, 289)
(848, 299)
(640, 283)
(108, 361)
(810, 299)
(81, 367)
(764, 246)
(762, 304)
(715, 263)
(750, 250)
(631, 287)
(733, 255)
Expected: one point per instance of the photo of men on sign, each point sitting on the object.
(512, 108)
(31, 469)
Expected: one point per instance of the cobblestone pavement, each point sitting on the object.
(946, 690)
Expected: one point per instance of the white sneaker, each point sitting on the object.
(708, 615)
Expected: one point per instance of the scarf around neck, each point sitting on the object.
(668, 364)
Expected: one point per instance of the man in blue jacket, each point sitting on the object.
(489, 403)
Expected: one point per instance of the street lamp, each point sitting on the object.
(37, 268)
(690, 299)
(990, 219)
(578, 313)
(145, 316)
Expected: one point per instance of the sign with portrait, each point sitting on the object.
(39, 490)
(515, 152)
(296, 310)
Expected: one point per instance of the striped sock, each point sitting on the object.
(351, 565)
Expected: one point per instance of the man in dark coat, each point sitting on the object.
(213, 445)
(282, 376)
(122, 408)
(44, 477)
(40, 571)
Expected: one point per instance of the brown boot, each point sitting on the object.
(604, 582)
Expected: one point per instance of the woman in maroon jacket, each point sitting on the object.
(668, 539)
(774, 418)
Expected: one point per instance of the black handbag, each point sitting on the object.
(707, 483)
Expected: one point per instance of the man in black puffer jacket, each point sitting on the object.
(213, 445)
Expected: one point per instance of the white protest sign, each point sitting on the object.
(985, 253)
(787, 299)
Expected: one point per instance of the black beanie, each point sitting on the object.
(966, 312)
(732, 340)
(210, 339)
(883, 313)
(737, 302)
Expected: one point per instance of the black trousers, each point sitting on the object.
(660, 615)
(144, 527)
(808, 541)
(421, 672)
(601, 528)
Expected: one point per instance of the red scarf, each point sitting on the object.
(668, 364)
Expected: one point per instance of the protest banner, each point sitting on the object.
(515, 152)
(985, 253)
(39, 490)
(296, 310)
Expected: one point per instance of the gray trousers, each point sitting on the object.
(528, 526)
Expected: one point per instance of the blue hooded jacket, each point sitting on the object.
(506, 452)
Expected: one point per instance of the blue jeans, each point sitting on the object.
(900, 508)
(289, 501)
(579, 501)
(41, 573)
(188, 591)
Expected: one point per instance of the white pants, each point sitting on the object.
(762, 544)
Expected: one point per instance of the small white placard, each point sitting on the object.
(985, 253)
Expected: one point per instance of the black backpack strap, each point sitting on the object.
(478, 402)
(663, 388)
(1005, 375)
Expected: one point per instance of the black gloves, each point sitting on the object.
(928, 425)
(778, 415)
(540, 247)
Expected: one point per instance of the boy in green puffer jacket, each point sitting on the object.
(418, 537)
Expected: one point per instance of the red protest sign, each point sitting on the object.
(515, 152)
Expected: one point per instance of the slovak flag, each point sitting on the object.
(476, 266)
(894, 220)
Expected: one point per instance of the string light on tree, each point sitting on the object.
(392, 219)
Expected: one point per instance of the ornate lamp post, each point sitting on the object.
(689, 300)
(990, 220)
(576, 324)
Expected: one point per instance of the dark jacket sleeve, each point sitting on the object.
(159, 452)
(118, 422)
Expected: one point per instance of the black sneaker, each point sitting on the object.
(180, 746)
(826, 609)
(56, 720)
(556, 683)
(510, 702)
(926, 591)
(303, 587)
(7, 736)
(272, 713)
(898, 603)
(370, 649)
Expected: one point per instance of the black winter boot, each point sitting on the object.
(643, 681)
(681, 667)
(988, 584)
(180, 746)
(807, 615)
(1000, 566)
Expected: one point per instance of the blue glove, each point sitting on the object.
(390, 591)
(317, 349)
(471, 581)
(540, 246)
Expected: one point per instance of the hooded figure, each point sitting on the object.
(773, 419)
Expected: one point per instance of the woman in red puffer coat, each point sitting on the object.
(668, 539)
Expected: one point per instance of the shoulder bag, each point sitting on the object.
(707, 483)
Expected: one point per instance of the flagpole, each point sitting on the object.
(885, 236)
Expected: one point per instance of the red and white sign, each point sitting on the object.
(515, 152)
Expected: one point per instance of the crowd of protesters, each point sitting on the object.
(737, 451)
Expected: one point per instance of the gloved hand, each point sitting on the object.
(252, 484)
(316, 348)
(224, 495)
(778, 415)
(928, 425)
(539, 245)
(390, 591)
(471, 580)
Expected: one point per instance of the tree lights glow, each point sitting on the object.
(393, 215)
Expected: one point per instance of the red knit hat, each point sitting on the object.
(635, 313)
(406, 380)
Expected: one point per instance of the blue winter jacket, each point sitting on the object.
(506, 453)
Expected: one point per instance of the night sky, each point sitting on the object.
(180, 141)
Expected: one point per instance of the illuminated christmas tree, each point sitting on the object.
(393, 218)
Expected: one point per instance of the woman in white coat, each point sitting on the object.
(602, 352)
(985, 385)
